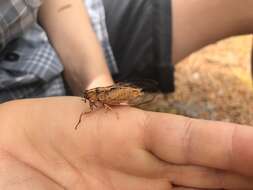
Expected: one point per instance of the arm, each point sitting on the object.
(69, 30)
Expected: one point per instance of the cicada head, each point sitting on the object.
(85, 96)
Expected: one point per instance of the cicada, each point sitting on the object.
(119, 94)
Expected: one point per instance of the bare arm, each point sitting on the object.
(68, 27)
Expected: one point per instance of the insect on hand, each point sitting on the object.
(114, 95)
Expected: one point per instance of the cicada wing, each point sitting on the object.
(147, 85)
(124, 84)
(146, 98)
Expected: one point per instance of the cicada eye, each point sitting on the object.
(85, 96)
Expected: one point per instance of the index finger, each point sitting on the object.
(182, 140)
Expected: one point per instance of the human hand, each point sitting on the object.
(125, 149)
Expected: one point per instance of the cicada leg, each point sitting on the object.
(107, 107)
(84, 99)
(92, 107)
(80, 120)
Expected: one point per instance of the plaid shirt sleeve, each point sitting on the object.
(15, 17)
(29, 66)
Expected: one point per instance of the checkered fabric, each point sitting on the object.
(29, 66)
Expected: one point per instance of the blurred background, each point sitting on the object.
(214, 83)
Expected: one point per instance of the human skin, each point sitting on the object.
(68, 27)
(195, 24)
(126, 149)
(39, 148)
(198, 23)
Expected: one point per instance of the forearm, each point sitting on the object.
(68, 27)
(199, 23)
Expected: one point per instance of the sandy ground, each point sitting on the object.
(214, 83)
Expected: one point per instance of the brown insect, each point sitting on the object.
(114, 95)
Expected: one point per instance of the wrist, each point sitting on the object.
(78, 85)
(99, 81)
